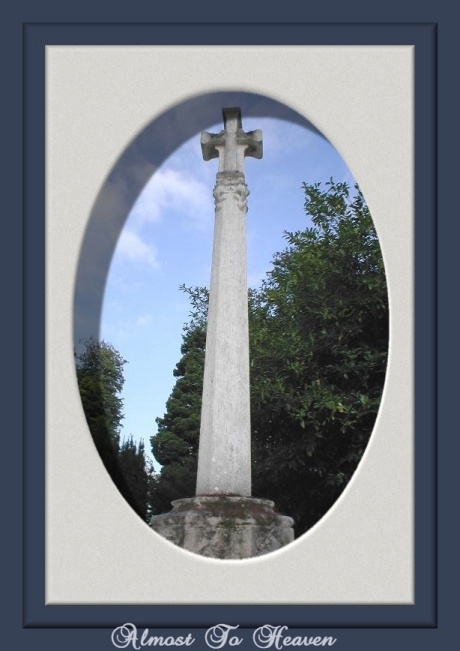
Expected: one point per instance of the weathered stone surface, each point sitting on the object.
(224, 456)
(232, 144)
(225, 527)
(223, 521)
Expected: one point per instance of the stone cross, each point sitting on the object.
(224, 457)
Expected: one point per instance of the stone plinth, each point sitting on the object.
(225, 527)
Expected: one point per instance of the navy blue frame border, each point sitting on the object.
(423, 612)
(405, 624)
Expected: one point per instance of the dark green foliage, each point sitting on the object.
(132, 463)
(319, 339)
(318, 349)
(176, 444)
(100, 381)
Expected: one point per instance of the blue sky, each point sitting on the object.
(167, 241)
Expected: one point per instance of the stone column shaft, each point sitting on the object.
(224, 461)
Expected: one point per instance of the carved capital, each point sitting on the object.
(231, 185)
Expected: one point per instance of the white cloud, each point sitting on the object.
(144, 320)
(170, 189)
(167, 190)
(131, 246)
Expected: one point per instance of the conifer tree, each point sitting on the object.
(133, 467)
(100, 381)
(175, 446)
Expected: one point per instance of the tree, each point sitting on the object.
(175, 446)
(100, 381)
(133, 467)
(318, 350)
(319, 339)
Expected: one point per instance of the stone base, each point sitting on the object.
(225, 527)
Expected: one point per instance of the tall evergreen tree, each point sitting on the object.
(133, 467)
(100, 380)
(176, 444)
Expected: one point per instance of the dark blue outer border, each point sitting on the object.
(423, 613)
(397, 625)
